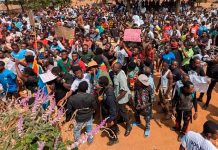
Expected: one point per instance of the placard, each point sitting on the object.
(132, 35)
(64, 32)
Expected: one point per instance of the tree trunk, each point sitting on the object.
(178, 4)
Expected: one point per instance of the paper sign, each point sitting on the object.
(133, 35)
(64, 32)
(200, 83)
(11, 66)
(48, 76)
(31, 17)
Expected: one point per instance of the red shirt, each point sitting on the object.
(79, 63)
(194, 30)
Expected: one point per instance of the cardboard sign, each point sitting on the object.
(64, 32)
(31, 17)
(132, 35)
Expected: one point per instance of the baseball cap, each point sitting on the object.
(92, 64)
(143, 79)
(210, 127)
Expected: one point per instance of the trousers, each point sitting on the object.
(186, 116)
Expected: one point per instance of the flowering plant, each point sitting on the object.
(26, 126)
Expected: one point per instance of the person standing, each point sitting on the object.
(212, 72)
(193, 140)
(85, 104)
(65, 62)
(79, 77)
(109, 109)
(183, 102)
(144, 97)
(165, 86)
(8, 81)
(122, 94)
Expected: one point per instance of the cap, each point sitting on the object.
(92, 64)
(210, 127)
(143, 79)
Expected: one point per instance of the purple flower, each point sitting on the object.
(20, 126)
(41, 145)
(83, 139)
(56, 143)
(59, 115)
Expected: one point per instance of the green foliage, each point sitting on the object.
(34, 130)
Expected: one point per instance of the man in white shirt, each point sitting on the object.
(80, 76)
(197, 141)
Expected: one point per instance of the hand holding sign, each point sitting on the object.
(132, 35)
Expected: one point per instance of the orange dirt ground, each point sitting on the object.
(161, 138)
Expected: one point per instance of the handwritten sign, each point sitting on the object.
(132, 35)
(64, 32)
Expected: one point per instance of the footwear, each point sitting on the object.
(199, 99)
(205, 106)
(90, 139)
(147, 132)
(136, 123)
(112, 142)
(128, 130)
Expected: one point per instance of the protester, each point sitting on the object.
(93, 46)
(193, 140)
(122, 94)
(109, 109)
(84, 104)
(183, 102)
(144, 97)
(8, 81)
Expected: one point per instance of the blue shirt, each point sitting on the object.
(201, 30)
(169, 57)
(20, 55)
(8, 81)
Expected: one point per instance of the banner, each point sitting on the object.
(64, 32)
(132, 35)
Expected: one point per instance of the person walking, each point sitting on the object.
(144, 97)
(183, 102)
(84, 104)
(109, 109)
(122, 94)
(195, 141)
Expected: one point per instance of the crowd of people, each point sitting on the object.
(98, 73)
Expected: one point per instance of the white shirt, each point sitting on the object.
(121, 55)
(77, 81)
(195, 141)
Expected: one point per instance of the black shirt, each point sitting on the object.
(60, 90)
(109, 105)
(176, 74)
(83, 101)
(32, 83)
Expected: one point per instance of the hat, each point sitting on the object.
(210, 127)
(143, 79)
(92, 64)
